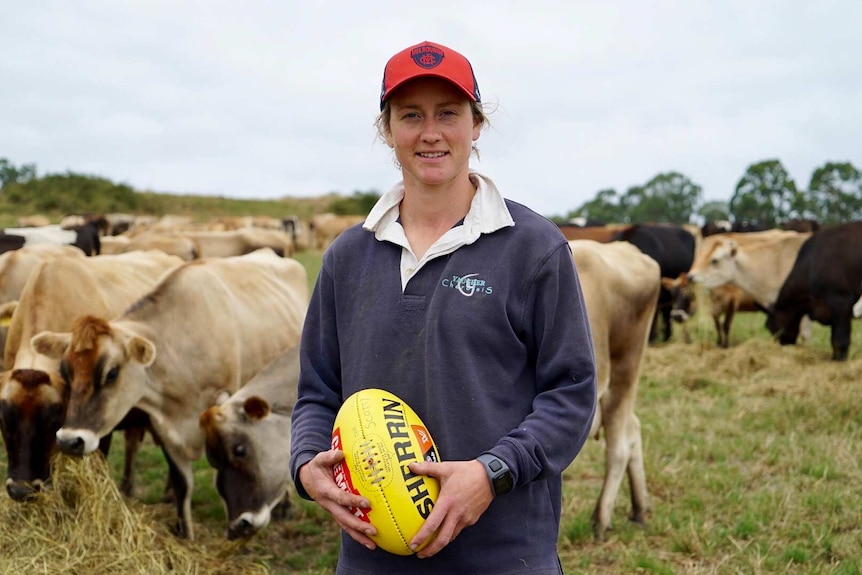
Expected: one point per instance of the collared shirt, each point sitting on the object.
(488, 213)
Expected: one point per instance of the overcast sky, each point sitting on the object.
(267, 99)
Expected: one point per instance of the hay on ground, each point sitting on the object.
(85, 526)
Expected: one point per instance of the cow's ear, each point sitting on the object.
(6, 311)
(51, 343)
(255, 408)
(142, 350)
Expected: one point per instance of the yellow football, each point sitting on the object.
(380, 436)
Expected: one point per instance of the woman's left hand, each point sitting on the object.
(465, 493)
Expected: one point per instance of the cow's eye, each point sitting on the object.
(239, 450)
(112, 375)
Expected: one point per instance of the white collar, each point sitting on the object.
(488, 212)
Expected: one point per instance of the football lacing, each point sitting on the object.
(373, 469)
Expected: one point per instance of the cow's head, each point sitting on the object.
(684, 298)
(103, 368)
(783, 324)
(717, 267)
(32, 404)
(247, 444)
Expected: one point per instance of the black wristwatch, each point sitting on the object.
(498, 472)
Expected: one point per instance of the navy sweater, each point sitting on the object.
(491, 347)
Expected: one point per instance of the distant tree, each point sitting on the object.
(668, 198)
(10, 174)
(765, 194)
(834, 194)
(604, 207)
(714, 210)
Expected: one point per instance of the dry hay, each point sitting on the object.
(755, 367)
(84, 526)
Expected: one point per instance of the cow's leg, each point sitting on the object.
(133, 438)
(841, 328)
(105, 445)
(728, 321)
(617, 454)
(716, 319)
(637, 472)
(181, 479)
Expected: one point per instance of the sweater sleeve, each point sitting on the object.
(558, 336)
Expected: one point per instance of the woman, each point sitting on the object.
(468, 307)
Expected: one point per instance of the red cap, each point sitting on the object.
(429, 59)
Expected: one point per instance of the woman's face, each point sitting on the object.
(432, 130)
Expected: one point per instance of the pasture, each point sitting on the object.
(752, 456)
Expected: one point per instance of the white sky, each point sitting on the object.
(267, 99)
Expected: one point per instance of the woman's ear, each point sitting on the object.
(388, 137)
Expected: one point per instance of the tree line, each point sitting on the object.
(765, 194)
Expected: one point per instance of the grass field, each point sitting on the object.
(753, 464)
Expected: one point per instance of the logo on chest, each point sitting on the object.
(467, 285)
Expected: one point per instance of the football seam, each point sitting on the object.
(382, 492)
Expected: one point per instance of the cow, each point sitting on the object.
(34, 221)
(85, 237)
(185, 248)
(239, 242)
(33, 393)
(326, 227)
(824, 283)
(601, 234)
(15, 268)
(672, 247)
(208, 326)
(620, 286)
(247, 435)
(757, 262)
(724, 301)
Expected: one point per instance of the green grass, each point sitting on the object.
(752, 456)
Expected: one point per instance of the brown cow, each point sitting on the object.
(620, 286)
(33, 393)
(208, 327)
(724, 302)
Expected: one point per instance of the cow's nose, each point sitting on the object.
(71, 445)
(21, 490)
(240, 528)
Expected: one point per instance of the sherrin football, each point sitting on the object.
(380, 436)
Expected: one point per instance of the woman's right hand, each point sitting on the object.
(317, 479)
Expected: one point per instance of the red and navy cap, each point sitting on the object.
(429, 59)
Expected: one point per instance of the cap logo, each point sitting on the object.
(427, 56)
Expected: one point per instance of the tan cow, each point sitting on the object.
(253, 483)
(326, 227)
(185, 248)
(208, 327)
(33, 393)
(222, 244)
(758, 262)
(15, 268)
(620, 286)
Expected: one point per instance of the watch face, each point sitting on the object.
(503, 484)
